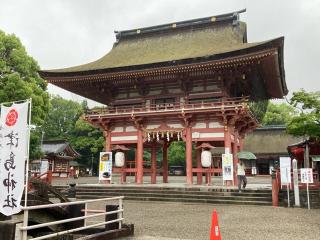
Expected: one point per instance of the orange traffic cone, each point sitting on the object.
(215, 230)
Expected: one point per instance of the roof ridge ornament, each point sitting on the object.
(233, 16)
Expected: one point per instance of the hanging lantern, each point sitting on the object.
(206, 158)
(119, 159)
(158, 137)
(162, 134)
(171, 134)
(168, 136)
(153, 135)
(178, 135)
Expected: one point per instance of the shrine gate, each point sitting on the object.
(185, 81)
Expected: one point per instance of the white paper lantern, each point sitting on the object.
(119, 159)
(206, 158)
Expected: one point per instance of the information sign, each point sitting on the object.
(105, 166)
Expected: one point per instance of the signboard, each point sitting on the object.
(285, 170)
(105, 166)
(306, 175)
(227, 167)
(13, 154)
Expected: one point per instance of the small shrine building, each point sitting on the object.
(59, 155)
(185, 81)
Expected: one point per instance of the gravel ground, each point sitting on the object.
(160, 221)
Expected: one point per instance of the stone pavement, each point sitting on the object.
(258, 182)
(171, 221)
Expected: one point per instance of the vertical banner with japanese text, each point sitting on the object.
(105, 166)
(13, 151)
(227, 167)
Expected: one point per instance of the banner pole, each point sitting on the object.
(26, 212)
(28, 151)
(308, 195)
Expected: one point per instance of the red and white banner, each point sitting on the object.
(13, 155)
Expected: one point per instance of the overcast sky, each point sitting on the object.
(63, 33)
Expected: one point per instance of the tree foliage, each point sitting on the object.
(259, 108)
(177, 153)
(62, 117)
(64, 122)
(307, 123)
(278, 114)
(19, 80)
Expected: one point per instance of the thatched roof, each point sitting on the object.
(268, 141)
(190, 39)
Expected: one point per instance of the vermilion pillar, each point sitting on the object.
(198, 157)
(165, 162)
(189, 154)
(235, 159)
(107, 136)
(241, 144)
(153, 163)
(123, 170)
(227, 142)
(139, 159)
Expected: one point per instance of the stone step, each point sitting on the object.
(177, 195)
(188, 200)
(184, 194)
(148, 189)
(80, 190)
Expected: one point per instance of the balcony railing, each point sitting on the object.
(223, 104)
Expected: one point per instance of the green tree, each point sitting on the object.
(88, 141)
(19, 80)
(278, 114)
(64, 122)
(177, 153)
(307, 123)
(259, 108)
(62, 117)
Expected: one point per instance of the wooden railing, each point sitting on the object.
(224, 104)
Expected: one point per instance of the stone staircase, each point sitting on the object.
(186, 195)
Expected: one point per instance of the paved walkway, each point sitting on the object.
(258, 182)
(171, 221)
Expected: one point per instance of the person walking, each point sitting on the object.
(241, 174)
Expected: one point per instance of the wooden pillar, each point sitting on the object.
(227, 144)
(107, 136)
(153, 163)
(165, 167)
(123, 170)
(227, 140)
(241, 143)
(235, 158)
(189, 154)
(139, 159)
(198, 157)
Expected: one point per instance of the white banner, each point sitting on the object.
(227, 167)
(105, 166)
(13, 151)
(306, 175)
(285, 170)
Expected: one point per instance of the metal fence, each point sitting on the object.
(97, 213)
